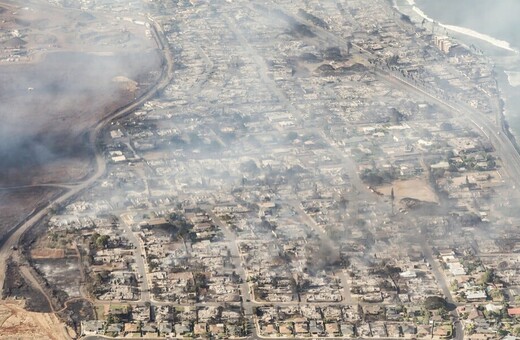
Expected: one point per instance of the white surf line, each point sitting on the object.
(474, 34)
(465, 31)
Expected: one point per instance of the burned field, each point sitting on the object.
(18, 287)
(50, 107)
(58, 272)
(62, 72)
(54, 261)
(17, 204)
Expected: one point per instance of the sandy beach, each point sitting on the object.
(463, 30)
(503, 55)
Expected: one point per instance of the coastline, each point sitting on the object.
(461, 30)
(498, 51)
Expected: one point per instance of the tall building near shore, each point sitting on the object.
(443, 43)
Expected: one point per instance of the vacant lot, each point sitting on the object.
(47, 253)
(63, 274)
(17, 323)
(417, 188)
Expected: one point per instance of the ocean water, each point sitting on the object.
(496, 18)
(492, 26)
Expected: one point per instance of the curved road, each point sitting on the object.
(166, 76)
(494, 133)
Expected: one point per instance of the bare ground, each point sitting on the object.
(17, 287)
(69, 80)
(17, 323)
(47, 253)
(417, 188)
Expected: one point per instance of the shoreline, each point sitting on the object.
(462, 30)
(504, 45)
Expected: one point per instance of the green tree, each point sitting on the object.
(102, 241)
(497, 295)
(487, 277)
(113, 319)
(454, 285)
(470, 328)
(502, 332)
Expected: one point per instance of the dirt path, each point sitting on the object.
(17, 323)
(30, 279)
(166, 76)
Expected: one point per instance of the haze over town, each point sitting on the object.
(252, 169)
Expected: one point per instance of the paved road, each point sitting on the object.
(487, 125)
(443, 284)
(345, 292)
(247, 302)
(166, 76)
(139, 256)
(495, 134)
(32, 186)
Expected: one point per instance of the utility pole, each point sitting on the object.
(392, 198)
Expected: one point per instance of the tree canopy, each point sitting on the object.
(434, 302)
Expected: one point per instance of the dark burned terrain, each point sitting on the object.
(48, 108)
(62, 70)
(18, 287)
(71, 311)
(18, 204)
(75, 69)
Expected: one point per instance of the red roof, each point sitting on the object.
(513, 311)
